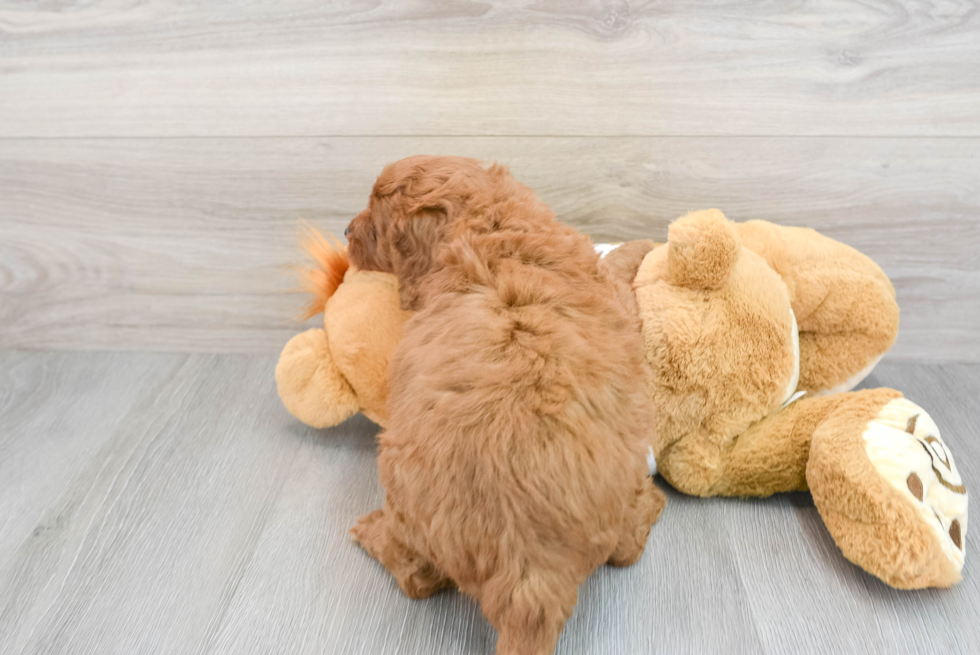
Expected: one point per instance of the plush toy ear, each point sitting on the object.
(310, 385)
(702, 249)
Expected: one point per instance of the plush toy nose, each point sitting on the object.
(347, 230)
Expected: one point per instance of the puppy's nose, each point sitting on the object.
(347, 230)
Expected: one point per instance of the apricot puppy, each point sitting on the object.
(515, 463)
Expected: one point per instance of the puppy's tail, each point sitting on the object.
(529, 616)
(327, 264)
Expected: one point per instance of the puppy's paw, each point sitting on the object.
(369, 532)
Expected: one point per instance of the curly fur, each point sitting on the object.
(515, 464)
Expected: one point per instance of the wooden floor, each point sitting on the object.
(165, 503)
(156, 157)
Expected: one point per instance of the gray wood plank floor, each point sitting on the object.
(167, 503)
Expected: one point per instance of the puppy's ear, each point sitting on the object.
(416, 243)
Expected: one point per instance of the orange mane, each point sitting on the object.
(328, 263)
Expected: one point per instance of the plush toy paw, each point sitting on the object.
(904, 445)
(310, 385)
(889, 491)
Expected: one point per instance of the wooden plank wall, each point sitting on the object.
(155, 157)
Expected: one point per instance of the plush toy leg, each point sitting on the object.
(310, 384)
(770, 457)
(378, 534)
(845, 336)
(643, 513)
(889, 491)
(824, 365)
(844, 303)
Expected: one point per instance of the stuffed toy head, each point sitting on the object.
(721, 339)
(327, 375)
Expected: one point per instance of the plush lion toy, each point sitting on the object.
(327, 375)
(756, 334)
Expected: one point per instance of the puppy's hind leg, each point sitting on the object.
(643, 512)
(378, 534)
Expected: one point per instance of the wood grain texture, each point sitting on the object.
(469, 67)
(143, 539)
(168, 504)
(156, 157)
(184, 244)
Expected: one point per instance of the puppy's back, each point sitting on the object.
(519, 410)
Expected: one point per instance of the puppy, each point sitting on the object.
(515, 463)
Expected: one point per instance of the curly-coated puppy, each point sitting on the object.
(516, 460)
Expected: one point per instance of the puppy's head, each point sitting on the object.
(418, 204)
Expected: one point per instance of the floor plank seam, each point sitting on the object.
(212, 633)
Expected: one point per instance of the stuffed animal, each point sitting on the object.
(739, 320)
(327, 375)
(755, 333)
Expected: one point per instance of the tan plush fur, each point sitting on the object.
(873, 525)
(720, 349)
(310, 385)
(844, 303)
(719, 346)
(718, 334)
(326, 376)
(365, 325)
(514, 462)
